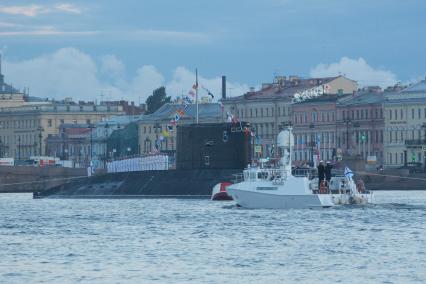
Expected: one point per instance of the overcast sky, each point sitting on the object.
(125, 49)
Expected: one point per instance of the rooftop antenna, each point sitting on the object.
(196, 90)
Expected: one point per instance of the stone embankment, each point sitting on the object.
(30, 179)
(394, 180)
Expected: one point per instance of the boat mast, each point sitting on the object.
(196, 91)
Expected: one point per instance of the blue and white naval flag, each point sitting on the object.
(348, 173)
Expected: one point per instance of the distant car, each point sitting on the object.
(414, 167)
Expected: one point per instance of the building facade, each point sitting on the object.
(315, 130)
(360, 125)
(270, 108)
(24, 129)
(405, 126)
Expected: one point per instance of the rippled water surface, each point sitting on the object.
(200, 241)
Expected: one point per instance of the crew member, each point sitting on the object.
(321, 171)
(327, 172)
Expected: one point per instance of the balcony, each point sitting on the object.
(415, 142)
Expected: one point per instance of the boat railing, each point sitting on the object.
(238, 178)
(308, 172)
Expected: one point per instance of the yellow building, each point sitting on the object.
(23, 129)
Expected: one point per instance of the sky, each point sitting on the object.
(93, 50)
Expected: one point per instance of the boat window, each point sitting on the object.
(246, 176)
(267, 188)
(252, 175)
(262, 175)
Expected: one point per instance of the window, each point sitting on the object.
(412, 113)
(144, 129)
(396, 114)
(357, 114)
(401, 114)
(49, 123)
(419, 113)
(390, 114)
(381, 113)
(88, 121)
(62, 121)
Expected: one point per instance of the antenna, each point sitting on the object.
(196, 90)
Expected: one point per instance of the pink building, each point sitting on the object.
(332, 126)
(360, 125)
(315, 129)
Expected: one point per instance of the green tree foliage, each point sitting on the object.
(157, 99)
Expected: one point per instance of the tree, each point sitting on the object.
(156, 100)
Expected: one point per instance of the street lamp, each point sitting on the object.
(128, 151)
(424, 147)
(40, 136)
(19, 147)
(91, 127)
(312, 144)
(106, 144)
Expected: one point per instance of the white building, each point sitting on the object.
(405, 126)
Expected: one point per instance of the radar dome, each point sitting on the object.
(285, 139)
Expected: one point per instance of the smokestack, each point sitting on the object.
(223, 87)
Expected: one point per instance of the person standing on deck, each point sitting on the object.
(321, 172)
(327, 172)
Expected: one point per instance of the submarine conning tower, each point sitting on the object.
(213, 146)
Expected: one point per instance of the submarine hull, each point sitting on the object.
(144, 184)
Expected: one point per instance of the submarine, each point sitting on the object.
(206, 154)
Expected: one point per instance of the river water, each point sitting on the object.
(200, 241)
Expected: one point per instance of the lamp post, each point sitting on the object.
(91, 127)
(40, 136)
(19, 147)
(1, 148)
(347, 121)
(312, 144)
(424, 147)
(106, 144)
(128, 151)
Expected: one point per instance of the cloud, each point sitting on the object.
(69, 8)
(35, 10)
(69, 72)
(29, 11)
(45, 31)
(358, 70)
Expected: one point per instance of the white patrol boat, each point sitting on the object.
(280, 188)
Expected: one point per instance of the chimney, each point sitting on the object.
(223, 87)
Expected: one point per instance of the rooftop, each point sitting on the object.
(363, 98)
(284, 88)
(419, 87)
(168, 111)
